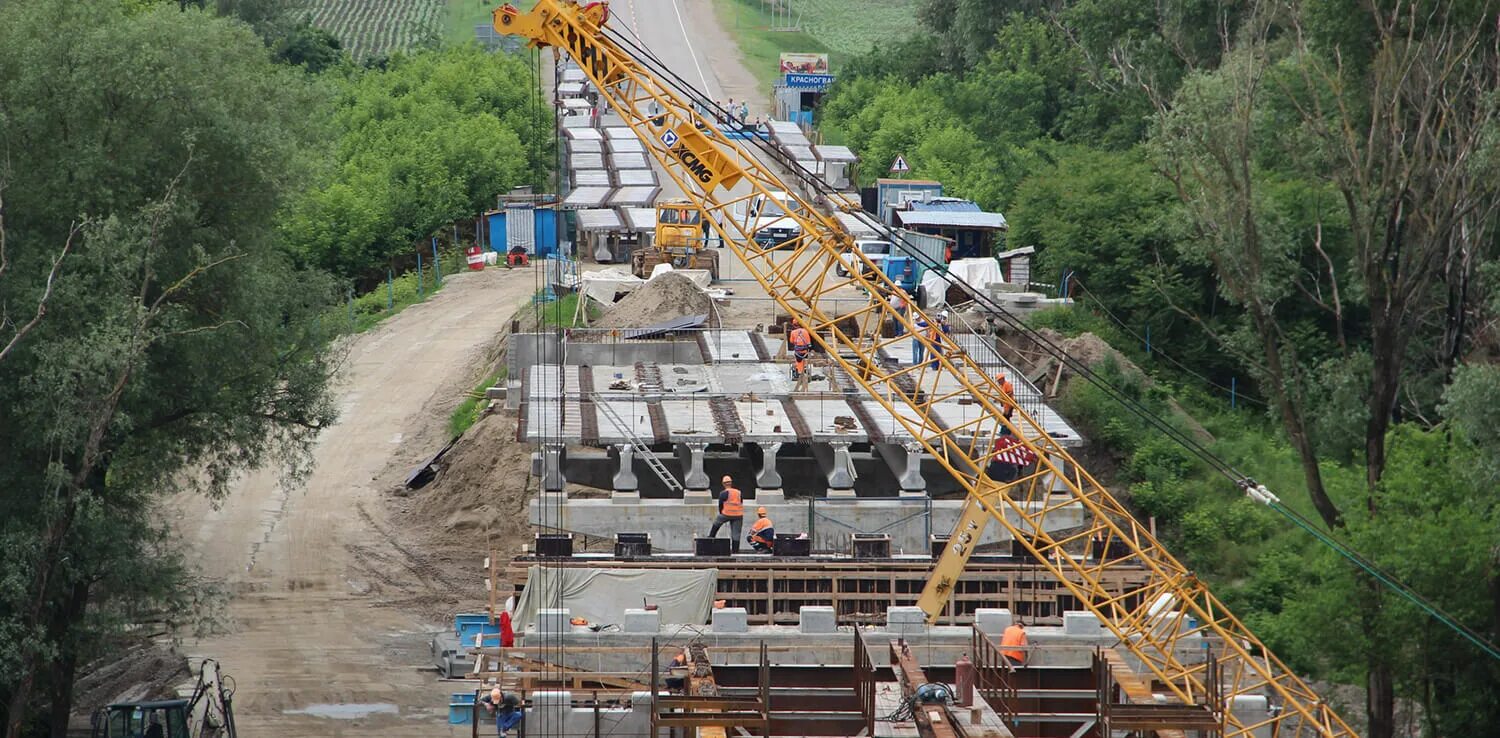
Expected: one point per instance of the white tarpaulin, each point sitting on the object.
(604, 284)
(602, 595)
(978, 273)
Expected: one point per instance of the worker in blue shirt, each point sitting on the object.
(917, 351)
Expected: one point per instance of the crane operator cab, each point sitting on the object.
(681, 239)
(159, 719)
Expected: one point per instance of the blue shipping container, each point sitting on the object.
(544, 229)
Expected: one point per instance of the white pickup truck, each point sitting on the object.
(875, 250)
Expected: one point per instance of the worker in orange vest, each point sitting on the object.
(1013, 644)
(762, 536)
(799, 341)
(1007, 395)
(935, 333)
(731, 511)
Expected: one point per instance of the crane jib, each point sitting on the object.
(587, 54)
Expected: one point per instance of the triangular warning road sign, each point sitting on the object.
(899, 165)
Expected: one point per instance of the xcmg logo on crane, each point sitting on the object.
(700, 157)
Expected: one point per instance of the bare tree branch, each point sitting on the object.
(41, 304)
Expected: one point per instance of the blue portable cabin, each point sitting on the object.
(891, 194)
(975, 233)
(533, 227)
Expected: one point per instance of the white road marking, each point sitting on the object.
(690, 49)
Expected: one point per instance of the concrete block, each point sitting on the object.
(620, 497)
(1081, 623)
(909, 615)
(847, 494)
(641, 621)
(770, 497)
(818, 619)
(549, 713)
(730, 620)
(905, 622)
(993, 620)
(550, 620)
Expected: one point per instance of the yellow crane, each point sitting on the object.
(1165, 625)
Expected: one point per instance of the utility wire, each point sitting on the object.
(1252, 488)
(1154, 351)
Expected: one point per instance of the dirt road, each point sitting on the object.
(333, 601)
(318, 644)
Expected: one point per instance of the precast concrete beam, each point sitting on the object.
(624, 480)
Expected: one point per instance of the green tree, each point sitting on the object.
(177, 337)
(311, 48)
(432, 138)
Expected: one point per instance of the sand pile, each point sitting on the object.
(481, 486)
(666, 297)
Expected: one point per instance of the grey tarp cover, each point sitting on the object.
(602, 595)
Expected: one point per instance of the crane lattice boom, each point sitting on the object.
(1165, 625)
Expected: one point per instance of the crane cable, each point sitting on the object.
(1252, 489)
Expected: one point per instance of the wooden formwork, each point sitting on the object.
(773, 590)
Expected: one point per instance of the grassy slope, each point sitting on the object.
(839, 27)
(463, 15)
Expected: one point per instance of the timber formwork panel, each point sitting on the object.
(773, 591)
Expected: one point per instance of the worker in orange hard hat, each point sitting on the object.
(1013, 644)
(1007, 395)
(731, 511)
(762, 538)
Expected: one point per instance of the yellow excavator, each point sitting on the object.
(1167, 625)
(680, 239)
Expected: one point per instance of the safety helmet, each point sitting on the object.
(760, 510)
(727, 479)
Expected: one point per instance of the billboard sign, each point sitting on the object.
(810, 82)
(794, 63)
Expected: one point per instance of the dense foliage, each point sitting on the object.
(176, 332)
(1300, 197)
(430, 139)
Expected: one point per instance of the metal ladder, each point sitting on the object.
(640, 447)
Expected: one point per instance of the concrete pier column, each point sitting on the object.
(627, 488)
(624, 480)
(551, 471)
(905, 462)
(694, 479)
(767, 478)
(840, 471)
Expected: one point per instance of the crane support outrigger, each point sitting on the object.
(1173, 616)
